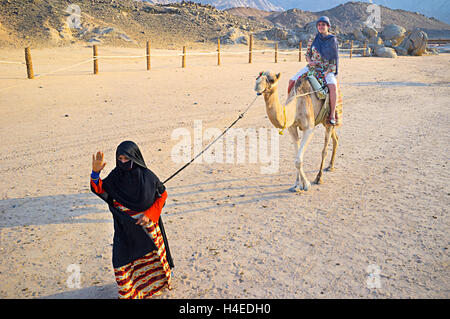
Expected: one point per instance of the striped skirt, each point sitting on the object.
(148, 275)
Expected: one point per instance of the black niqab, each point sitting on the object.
(137, 187)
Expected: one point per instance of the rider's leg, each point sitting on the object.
(332, 89)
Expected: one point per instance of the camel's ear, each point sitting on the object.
(278, 76)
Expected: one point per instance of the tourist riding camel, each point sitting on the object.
(323, 59)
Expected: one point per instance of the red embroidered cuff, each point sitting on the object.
(155, 210)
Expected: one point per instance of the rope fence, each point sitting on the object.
(184, 54)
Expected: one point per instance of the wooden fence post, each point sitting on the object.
(218, 51)
(250, 48)
(29, 63)
(351, 49)
(300, 51)
(149, 66)
(95, 52)
(364, 49)
(183, 59)
(276, 52)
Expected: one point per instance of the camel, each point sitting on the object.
(298, 113)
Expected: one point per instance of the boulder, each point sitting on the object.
(304, 37)
(419, 42)
(243, 40)
(388, 43)
(394, 34)
(308, 31)
(262, 37)
(369, 32)
(277, 34)
(376, 40)
(293, 40)
(433, 51)
(94, 40)
(124, 37)
(415, 43)
(233, 36)
(310, 28)
(359, 36)
(385, 52)
(102, 30)
(401, 50)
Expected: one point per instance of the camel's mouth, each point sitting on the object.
(265, 82)
(260, 85)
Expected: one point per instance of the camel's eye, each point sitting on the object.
(272, 81)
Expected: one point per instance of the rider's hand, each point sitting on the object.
(97, 162)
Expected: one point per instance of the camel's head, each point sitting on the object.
(266, 82)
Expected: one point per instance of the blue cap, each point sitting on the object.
(324, 19)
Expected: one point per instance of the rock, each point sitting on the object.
(406, 44)
(234, 36)
(102, 30)
(277, 34)
(243, 40)
(393, 33)
(359, 35)
(385, 52)
(262, 37)
(388, 43)
(304, 37)
(293, 40)
(433, 51)
(376, 40)
(419, 42)
(415, 43)
(94, 40)
(401, 50)
(310, 29)
(369, 32)
(125, 37)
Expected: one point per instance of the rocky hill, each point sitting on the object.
(266, 5)
(44, 23)
(348, 17)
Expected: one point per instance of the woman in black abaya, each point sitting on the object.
(135, 196)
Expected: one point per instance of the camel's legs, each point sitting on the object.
(293, 131)
(328, 132)
(307, 135)
(335, 145)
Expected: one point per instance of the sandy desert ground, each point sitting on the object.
(233, 231)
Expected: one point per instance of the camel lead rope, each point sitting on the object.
(209, 145)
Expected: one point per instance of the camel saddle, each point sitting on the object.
(325, 110)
